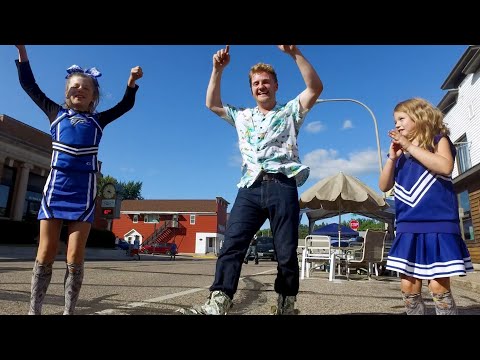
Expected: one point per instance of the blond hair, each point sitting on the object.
(261, 67)
(428, 121)
(96, 91)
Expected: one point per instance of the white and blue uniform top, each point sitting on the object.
(75, 141)
(424, 201)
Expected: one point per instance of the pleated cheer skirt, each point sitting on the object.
(69, 196)
(429, 256)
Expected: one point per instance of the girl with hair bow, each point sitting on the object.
(71, 187)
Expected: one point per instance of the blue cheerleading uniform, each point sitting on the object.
(428, 243)
(71, 186)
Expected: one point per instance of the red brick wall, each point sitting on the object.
(222, 216)
(184, 236)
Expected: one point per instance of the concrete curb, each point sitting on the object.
(201, 256)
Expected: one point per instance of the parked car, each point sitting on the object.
(265, 249)
(122, 244)
(159, 248)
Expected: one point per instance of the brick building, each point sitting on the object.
(196, 226)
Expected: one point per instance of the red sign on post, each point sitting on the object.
(354, 224)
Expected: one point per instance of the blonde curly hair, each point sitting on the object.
(428, 121)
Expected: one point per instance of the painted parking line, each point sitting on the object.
(117, 310)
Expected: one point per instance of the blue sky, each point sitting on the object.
(179, 149)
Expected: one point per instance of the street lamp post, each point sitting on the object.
(376, 134)
(374, 122)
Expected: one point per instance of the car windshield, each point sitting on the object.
(264, 244)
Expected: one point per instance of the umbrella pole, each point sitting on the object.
(339, 226)
(339, 233)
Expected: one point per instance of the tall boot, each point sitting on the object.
(42, 274)
(444, 304)
(414, 304)
(73, 283)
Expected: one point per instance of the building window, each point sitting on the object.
(465, 216)
(6, 190)
(471, 112)
(151, 218)
(31, 205)
(463, 155)
(192, 219)
(135, 219)
(4, 194)
(33, 197)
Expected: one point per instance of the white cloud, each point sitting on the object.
(127, 170)
(315, 127)
(325, 163)
(235, 161)
(347, 124)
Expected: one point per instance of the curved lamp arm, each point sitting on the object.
(374, 122)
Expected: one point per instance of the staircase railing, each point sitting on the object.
(152, 238)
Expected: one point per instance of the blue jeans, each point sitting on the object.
(276, 200)
(252, 250)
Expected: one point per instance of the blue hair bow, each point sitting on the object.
(92, 72)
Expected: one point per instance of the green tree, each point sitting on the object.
(131, 190)
(366, 223)
(264, 232)
(302, 231)
(370, 224)
(105, 180)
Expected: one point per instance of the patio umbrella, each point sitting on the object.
(343, 194)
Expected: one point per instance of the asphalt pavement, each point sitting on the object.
(28, 252)
(158, 285)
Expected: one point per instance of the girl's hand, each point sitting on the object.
(136, 73)
(394, 151)
(399, 140)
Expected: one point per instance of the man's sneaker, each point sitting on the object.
(217, 304)
(285, 305)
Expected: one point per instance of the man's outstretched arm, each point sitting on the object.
(214, 99)
(314, 88)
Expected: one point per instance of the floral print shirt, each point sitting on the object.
(269, 142)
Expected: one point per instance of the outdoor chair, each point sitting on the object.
(365, 255)
(382, 264)
(317, 252)
(300, 247)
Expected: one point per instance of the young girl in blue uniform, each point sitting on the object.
(71, 187)
(428, 243)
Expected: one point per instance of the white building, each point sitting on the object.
(461, 106)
